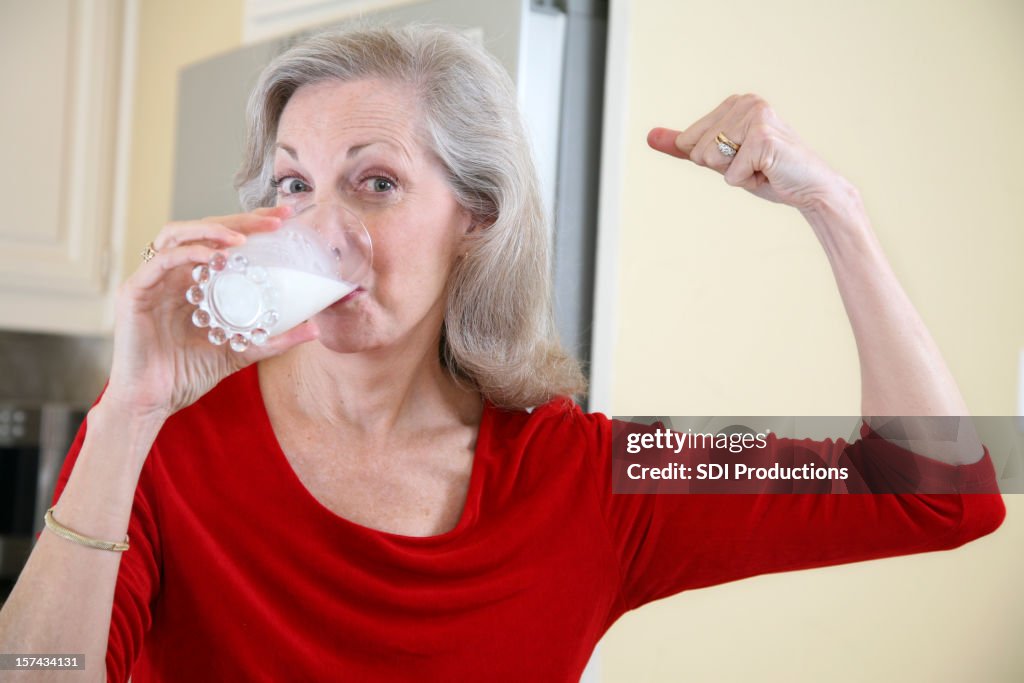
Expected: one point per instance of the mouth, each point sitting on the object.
(351, 295)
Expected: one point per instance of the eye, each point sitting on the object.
(378, 182)
(290, 185)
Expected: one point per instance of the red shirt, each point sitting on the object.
(236, 572)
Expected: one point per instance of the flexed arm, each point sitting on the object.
(902, 371)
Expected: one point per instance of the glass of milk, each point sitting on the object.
(276, 280)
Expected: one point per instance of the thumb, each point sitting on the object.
(664, 140)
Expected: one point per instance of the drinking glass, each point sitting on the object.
(275, 280)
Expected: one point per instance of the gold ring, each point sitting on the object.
(726, 146)
(148, 253)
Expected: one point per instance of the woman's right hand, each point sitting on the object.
(161, 361)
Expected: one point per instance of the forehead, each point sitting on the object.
(341, 112)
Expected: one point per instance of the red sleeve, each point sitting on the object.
(668, 543)
(138, 578)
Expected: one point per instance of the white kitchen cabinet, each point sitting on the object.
(64, 107)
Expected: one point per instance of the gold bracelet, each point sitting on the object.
(71, 535)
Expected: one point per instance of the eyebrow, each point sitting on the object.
(352, 151)
(291, 150)
(356, 149)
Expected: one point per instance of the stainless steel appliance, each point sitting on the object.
(34, 440)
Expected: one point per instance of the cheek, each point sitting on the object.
(415, 243)
(424, 250)
(418, 266)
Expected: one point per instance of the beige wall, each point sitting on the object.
(171, 34)
(726, 306)
(901, 97)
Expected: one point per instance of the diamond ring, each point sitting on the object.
(148, 253)
(726, 146)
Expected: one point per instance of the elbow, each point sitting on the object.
(981, 514)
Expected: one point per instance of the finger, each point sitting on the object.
(222, 230)
(688, 139)
(743, 169)
(218, 230)
(282, 210)
(176, 234)
(664, 140)
(731, 124)
(746, 168)
(152, 272)
(254, 219)
(708, 151)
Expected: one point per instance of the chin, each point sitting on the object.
(342, 338)
(341, 345)
(361, 325)
(347, 333)
(345, 325)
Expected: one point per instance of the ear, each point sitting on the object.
(479, 223)
(472, 226)
(473, 223)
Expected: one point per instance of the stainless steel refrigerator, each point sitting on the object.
(555, 52)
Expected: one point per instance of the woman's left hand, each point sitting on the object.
(772, 161)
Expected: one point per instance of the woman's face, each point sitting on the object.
(357, 144)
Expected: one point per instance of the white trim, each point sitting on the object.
(539, 91)
(614, 143)
(265, 19)
(114, 252)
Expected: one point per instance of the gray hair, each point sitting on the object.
(498, 332)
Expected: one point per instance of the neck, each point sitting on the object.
(371, 392)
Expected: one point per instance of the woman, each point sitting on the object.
(366, 497)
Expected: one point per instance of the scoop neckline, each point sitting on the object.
(291, 479)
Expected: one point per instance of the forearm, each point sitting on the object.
(63, 599)
(902, 371)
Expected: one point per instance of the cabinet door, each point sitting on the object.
(61, 85)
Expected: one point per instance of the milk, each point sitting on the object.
(277, 299)
(303, 295)
(276, 280)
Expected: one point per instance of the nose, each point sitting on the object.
(329, 218)
(344, 232)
